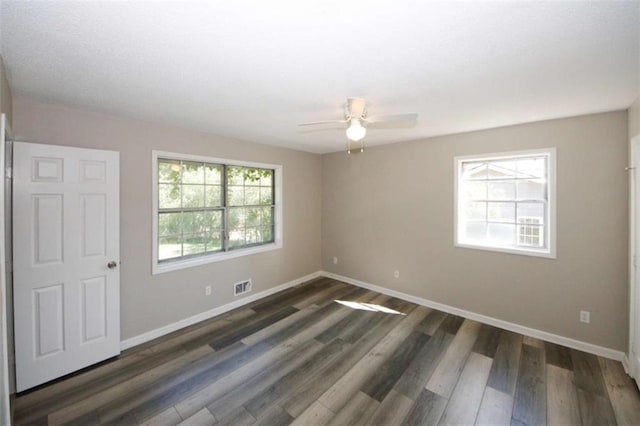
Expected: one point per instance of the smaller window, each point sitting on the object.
(506, 202)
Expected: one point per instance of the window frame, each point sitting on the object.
(159, 267)
(549, 230)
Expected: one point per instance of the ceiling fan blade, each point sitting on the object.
(313, 123)
(390, 118)
(356, 107)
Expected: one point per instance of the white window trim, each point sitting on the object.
(159, 268)
(550, 231)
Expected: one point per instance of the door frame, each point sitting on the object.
(5, 394)
(634, 228)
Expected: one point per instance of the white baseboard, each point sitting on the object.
(626, 365)
(539, 334)
(170, 328)
(532, 332)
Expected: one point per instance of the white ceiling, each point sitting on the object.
(253, 69)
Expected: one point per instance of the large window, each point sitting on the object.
(506, 202)
(211, 209)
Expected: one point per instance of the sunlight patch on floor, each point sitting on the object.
(369, 307)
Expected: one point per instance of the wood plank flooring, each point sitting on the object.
(299, 357)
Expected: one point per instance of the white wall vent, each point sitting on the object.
(242, 287)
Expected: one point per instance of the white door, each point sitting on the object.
(66, 257)
(634, 313)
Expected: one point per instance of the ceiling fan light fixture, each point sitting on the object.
(356, 131)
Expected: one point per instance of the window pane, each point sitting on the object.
(169, 248)
(214, 241)
(253, 235)
(236, 237)
(504, 169)
(534, 212)
(193, 222)
(192, 196)
(475, 190)
(502, 190)
(532, 189)
(169, 171)
(192, 172)
(532, 167)
(501, 234)
(267, 234)
(253, 217)
(266, 215)
(253, 176)
(476, 230)
(258, 234)
(266, 196)
(169, 224)
(168, 196)
(252, 195)
(267, 178)
(213, 174)
(502, 212)
(476, 211)
(236, 218)
(235, 195)
(193, 244)
(213, 195)
(475, 170)
(235, 175)
(213, 220)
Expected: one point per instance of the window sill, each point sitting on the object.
(161, 268)
(523, 252)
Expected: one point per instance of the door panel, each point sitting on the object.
(94, 308)
(47, 229)
(66, 231)
(94, 224)
(48, 333)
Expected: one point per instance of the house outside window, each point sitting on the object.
(506, 202)
(209, 209)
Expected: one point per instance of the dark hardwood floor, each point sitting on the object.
(301, 357)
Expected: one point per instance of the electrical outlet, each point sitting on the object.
(396, 274)
(585, 316)
(207, 290)
(335, 260)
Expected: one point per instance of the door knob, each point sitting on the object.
(112, 265)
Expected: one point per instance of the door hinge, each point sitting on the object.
(8, 173)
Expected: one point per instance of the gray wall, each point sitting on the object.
(392, 208)
(389, 208)
(149, 302)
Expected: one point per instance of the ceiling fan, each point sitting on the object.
(357, 120)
